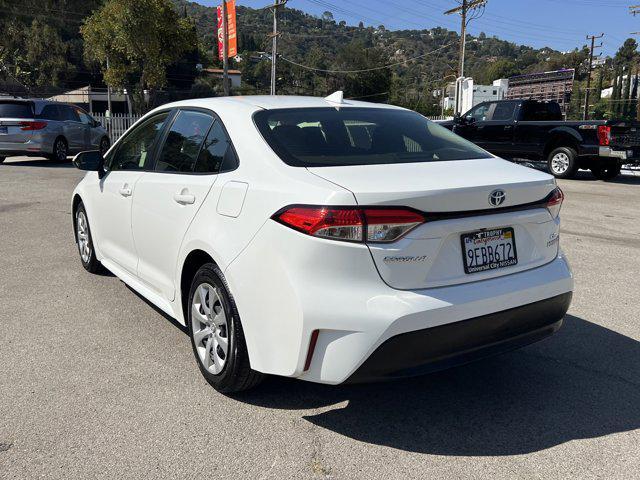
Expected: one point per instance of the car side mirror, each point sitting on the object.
(91, 161)
(457, 119)
(96, 123)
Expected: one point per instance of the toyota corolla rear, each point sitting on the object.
(444, 254)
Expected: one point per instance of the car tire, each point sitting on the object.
(216, 333)
(60, 150)
(85, 241)
(606, 173)
(104, 145)
(563, 162)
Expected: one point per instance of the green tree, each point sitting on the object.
(139, 39)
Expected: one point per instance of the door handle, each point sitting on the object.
(508, 127)
(125, 190)
(184, 198)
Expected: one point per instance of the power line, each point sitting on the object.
(306, 67)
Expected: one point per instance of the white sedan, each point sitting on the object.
(324, 239)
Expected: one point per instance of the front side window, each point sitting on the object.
(316, 137)
(85, 118)
(135, 148)
(184, 139)
(479, 113)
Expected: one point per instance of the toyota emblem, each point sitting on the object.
(497, 198)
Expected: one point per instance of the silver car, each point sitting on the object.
(41, 128)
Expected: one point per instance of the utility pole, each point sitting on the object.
(585, 112)
(225, 49)
(274, 39)
(463, 10)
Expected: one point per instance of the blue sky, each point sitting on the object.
(560, 24)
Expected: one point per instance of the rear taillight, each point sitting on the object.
(351, 224)
(36, 125)
(555, 202)
(604, 135)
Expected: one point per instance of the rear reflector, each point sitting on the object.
(36, 125)
(369, 224)
(604, 135)
(312, 347)
(555, 202)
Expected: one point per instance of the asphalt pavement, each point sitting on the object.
(96, 383)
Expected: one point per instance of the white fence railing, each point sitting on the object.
(117, 124)
(440, 118)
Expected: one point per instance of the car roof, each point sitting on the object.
(273, 102)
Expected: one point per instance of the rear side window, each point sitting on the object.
(217, 154)
(182, 144)
(316, 137)
(50, 112)
(68, 113)
(16, 110)
(504, 111)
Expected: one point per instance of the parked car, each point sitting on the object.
(534, 130)
(327, 240)
(41, 128)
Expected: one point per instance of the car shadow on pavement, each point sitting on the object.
(37, 162)
(584, 382)
(624, 179)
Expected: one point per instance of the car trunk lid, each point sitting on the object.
(454, 197)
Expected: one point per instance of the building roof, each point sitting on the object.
(220, 71)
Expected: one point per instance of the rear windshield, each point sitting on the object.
(324, 137)
(16, 110)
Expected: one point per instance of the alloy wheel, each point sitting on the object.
(560, 163)
(61, 150)
(82, 230)
(210, 328)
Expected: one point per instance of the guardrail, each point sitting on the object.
(117, 124)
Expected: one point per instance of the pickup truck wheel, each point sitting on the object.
(608, 173)
(563, 162)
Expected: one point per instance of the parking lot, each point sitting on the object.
(97, 383)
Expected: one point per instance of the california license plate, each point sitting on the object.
(489, 250)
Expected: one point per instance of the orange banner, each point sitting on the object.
(232, 46)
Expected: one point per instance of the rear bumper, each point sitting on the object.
(629, 155)
(305, 284)
(34, 147)
(431, 349)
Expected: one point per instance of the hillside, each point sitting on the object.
(42, 52)
(325, 44)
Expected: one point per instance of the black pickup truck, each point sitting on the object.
(534, 130)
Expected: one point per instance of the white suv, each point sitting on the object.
(323, 239)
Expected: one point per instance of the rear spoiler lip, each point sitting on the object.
(435, 216)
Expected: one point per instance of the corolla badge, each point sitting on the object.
(497, 198)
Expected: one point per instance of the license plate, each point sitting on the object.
(3, 130)
(488, 250)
